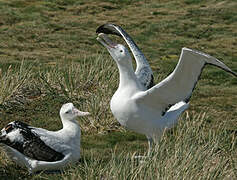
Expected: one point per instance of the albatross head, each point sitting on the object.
(69, 112)
(118, 52)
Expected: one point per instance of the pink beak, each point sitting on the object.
(80, 113)
(104, 40)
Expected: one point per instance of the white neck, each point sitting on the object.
(72, 126)
(127, 76)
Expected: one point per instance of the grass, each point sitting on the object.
(49, 56)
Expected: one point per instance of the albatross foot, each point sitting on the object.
(140, 159)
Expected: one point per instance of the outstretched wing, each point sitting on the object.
(179, 85)
(20, 137)
(143, 70)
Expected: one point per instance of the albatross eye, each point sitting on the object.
(121, 50)
(67, 112)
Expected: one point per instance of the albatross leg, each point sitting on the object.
(150, 143)
(142, 158)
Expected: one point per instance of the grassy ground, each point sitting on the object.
(49, 56)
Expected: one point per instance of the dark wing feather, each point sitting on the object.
(31, 145)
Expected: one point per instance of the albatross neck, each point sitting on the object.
(71, 125)
(127, 76)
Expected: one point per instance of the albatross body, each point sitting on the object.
(40, 149)
(150, 111)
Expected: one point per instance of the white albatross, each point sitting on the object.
(143, 70)
(39, 149)
(151, 111)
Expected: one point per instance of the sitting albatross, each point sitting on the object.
(150, 111)
(143, 71)
(40, 149)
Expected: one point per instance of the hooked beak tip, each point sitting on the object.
(86, 114)
(104, 40)
(80, 113)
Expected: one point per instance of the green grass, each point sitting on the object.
(49, 56)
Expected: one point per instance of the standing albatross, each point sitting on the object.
(143, 70)
(40, 149)
(150, 111)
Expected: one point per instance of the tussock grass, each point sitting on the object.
(185, 152)
(89, 85)
(63, 62)
(12, 81)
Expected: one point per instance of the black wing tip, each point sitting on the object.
(233, 73)
(108, 28)
(227, 70)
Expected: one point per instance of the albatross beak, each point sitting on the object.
(80, 113)
(105, 41)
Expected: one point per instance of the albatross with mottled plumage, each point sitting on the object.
(150, 111)
(40, 149)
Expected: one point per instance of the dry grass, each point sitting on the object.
(49, 56)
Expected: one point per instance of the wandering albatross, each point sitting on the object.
(143, 70)
(150, 111)
(40, 149)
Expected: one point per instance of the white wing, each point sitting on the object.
(178, 86)
(52, 139)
